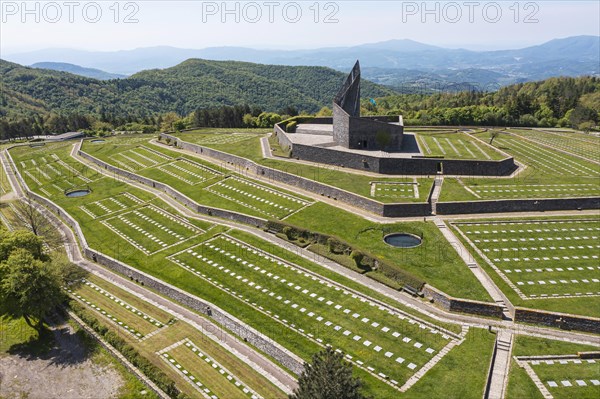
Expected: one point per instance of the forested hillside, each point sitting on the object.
(553, 102)
(239, 94)
(182, 89)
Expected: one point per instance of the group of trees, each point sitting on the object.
(563, 102)
(53, 123)
(31, 278)
(181, 89)
(31, 281)
(238, 116)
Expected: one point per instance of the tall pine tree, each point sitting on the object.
(327, 376)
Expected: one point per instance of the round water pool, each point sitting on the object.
(77, 193)
(97, 141)
(402, 240)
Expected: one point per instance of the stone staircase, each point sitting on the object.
(499, 372)
(437, 188)
(505, 310)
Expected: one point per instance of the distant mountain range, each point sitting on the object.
(78, 70)
(404, 64)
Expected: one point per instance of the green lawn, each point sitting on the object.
(126, 246)
(434, 261)
(174, 331)
(546, 258)
(213, 376)
(327, 174)
(118, 311)
(548, 174)
(456, 145)
(304, 303)
(203, 182)
(520, 384)
(584, 145)
(462, 373)
(528, 256)
(572, 379)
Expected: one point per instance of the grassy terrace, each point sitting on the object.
(549, 174)
(205, 183)
(4, 183)
(457, 145)
(170, 331)
(520, 384)
(584, 145)
(333, 175)
(381, 342)
(113, 200)
(434, 260)
(545, 263)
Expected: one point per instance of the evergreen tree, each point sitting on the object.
(328, 376)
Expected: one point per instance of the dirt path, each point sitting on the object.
(65, 371)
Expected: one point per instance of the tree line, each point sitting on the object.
(555, 102)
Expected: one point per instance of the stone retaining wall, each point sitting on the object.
(251, 169)
(247, 333)
(462, 305)
(402, 166)
(255, 338)
(558, 320)
(282, 138)
(205, 210)
(524, 205)
(421, 165)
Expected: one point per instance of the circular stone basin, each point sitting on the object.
(77, 193)
(402, 240)
(97, 141)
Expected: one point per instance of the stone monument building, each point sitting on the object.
(350, 130)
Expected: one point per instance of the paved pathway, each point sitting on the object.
(485, 280)
(257, 361)
(283, 379)
(499, 376)
(437, 189)
(401, 297)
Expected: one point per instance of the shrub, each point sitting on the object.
(288, 231)
(274, 225)
(291, 127)
(400, 276)
(357, 257)
(335, 246)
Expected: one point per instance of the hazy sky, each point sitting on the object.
(111, 25)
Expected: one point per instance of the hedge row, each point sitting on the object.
(163, 381)
(339, 246)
